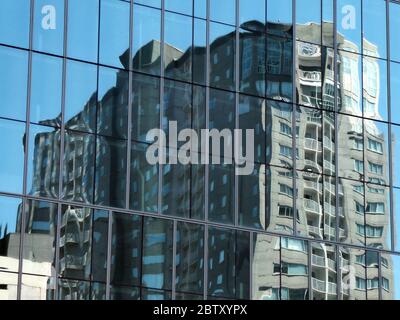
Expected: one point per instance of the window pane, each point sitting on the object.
(178, 46)
(78, 170)
(395, 141)
(390, 265)
(114, 33)
(153, 3)
(157, 253)
(46, 90)
(349, 25)
(12, 162)
(374, 28)
(308, 20)
(223, 11)
(124, 293)
(279, 21)
(144, 181)
(10, 230)
(48, 33)
(146, 39)
(80, 100)
(181, 6)
(394, 18)
(15, 31)
(40, 238)
(190, 258)
(43, 161)
(110, 172)
(126, 249)
(146, 106)
(222, 56)
(199, 54)
(112, 114)
(323, 270)
(394, 91)
(13, 82)
(83, 17)
(252, 16)
(37, 288)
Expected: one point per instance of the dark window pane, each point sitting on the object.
(81, 97)
(40, 238)
(112, 116)
(146, 40)
(146, 106)
(13, 83)
(83, 17)
(222, 56)
(150, 294)
(126, 249)
(124, 293)
(43, 161)
(144, 181)
(99, 245)
(14, 22)
(80, 290)
(157, 253)
(199, 51)
(190, 258)
(110, 172)
(114, 33)
(78, 170)
(48, 32)
(46, 90)
(12, 135)
(177, 46)
(10, 231)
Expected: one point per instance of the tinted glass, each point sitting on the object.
(15, 31)
(83, 17)
(13, 83)
(48, 30)
(223, 11)
(308, 20)
(181, 6)
(251, 18)
(374, 28)
(394, 18)
(349, 25)
(114, 33)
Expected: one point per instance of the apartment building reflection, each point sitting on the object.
(353, 210)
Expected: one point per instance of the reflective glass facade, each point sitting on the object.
(84, 215)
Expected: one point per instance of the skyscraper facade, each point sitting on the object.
(85, 215)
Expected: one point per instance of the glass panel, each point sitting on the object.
(157, 254)
(178, 46)
(150, 294)
(390, 266)
(279, 200)
(279, 21)
(279, 68)
(252, 206)
(112, 114)
(126, 249)
(99, 245)
(78, 170)
(228, 263)
(110, 188)
(12, 162)
(114, 33)
(395, 142)
(46, 90)
(222, 55)
(353, 273)
(223, 11)
(40, 238)
(351, 147)
(153, 3)
(181, 6)
(13, 82)
(48, 32)
(80, 290)
(327, 22)
(308, 20)
(252, 63)
(189, 258)
(10, 230)
(252, 16)
(375, 89)
(15, 31)
(374, 28)
(396, 214)
(349, 25)
(83, 21)
(146, 106)
(146, 39)
(143, 181)
(265, 279)
(199, 51)
(37, 288)
(200, 8)
(323, 272)
(394, 91)
(124, 293)
(394, 19)
(81, 96)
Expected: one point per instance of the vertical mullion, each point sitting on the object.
(236, 148)
(380, 280)
(309, 262)
(205, 263)
(109, 252)
(174, 235)
(251, 244)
